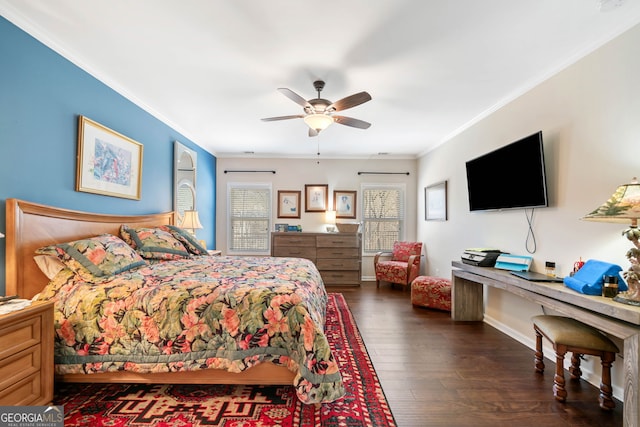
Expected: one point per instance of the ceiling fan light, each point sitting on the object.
(318, 122)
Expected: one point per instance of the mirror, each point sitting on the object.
(184, 179)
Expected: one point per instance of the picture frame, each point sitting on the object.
(108, 162)
(344, 203)
(316, 197)
(288, 204)
(435, 202)
(282, 227)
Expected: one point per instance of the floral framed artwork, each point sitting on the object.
(108, 163)
(288, 204)
(316, 197)
(344, 202)
(435, 202)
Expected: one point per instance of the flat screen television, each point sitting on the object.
(511, 177)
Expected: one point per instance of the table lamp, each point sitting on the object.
(624, 207)
(190, 221)
(330, 218)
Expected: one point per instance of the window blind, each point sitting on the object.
(383, 217)
(249, 218)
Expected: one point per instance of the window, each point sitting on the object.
(249, 207)
(383, 216)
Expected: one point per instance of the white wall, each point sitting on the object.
(590, 117)
(293, 174)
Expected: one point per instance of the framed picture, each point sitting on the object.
(435, 202)
(288, 204)
(344, 202)
(282, 227)
(317, 196)
(108, 163)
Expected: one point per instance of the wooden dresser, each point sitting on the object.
(337, 255)
(26, 356)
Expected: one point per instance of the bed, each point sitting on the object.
(285, 345)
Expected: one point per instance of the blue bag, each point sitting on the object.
(590, 278)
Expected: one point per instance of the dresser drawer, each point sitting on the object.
(19, 335)
(293, 239)
(20, 365)
(338, 253)
(341, 277)
(338, 264)
(338, 240)
(26, 356)
(296, 252)
(25, 392)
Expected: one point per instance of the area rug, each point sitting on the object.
(163, 405)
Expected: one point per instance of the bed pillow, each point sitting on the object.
(153, 243)
(96, 257)
(49, 265)
(187, 239)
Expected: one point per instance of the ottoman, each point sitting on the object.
(431, 292)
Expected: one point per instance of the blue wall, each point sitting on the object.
(41, 96)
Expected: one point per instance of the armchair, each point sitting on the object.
(404, 265)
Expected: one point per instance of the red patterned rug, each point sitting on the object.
(164, 405)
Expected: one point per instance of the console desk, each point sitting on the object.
(616, 319)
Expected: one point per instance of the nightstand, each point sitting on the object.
(26, 356)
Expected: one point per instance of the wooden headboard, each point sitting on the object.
(31, 226)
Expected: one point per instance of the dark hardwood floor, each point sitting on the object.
(436, 372)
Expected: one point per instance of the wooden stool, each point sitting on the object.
(568, 334)
(432, 292)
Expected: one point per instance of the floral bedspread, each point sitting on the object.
(203, 312)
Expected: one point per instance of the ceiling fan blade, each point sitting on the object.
(350, 101)
(271, 119)
(294, 97)
(350, 121)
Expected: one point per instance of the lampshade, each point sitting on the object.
(330, 217)
(190, 220)
(318, 122)
(622, 207)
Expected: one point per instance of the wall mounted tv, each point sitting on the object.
(511, 177)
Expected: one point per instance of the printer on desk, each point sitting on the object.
(480, 257)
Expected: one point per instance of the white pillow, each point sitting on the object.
(49, 265)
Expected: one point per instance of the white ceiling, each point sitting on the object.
(210, 69)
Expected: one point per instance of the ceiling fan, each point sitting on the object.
(318, 112)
